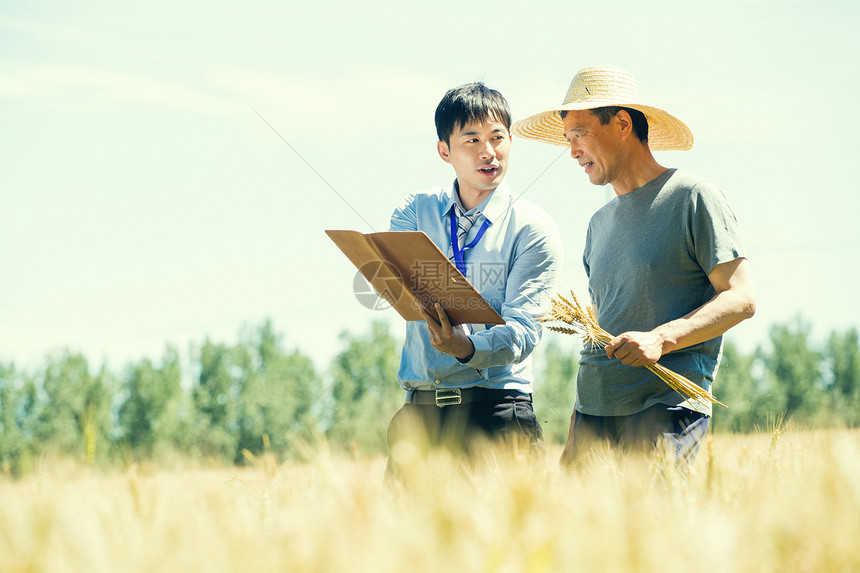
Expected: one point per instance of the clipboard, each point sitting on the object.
(408, 270)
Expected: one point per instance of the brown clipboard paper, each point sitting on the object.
(410, 272)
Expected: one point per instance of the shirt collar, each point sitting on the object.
(491, 208)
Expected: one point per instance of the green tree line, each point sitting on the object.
(229, 404)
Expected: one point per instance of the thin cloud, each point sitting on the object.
(368, 91)
(46, 30)
(273, 89)
(79, 88)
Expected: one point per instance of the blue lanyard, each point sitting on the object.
(459, 259)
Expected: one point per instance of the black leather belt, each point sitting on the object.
(455, 396)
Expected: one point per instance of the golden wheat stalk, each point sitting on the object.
(583, 321)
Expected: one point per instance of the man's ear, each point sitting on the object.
(444, 151)
(625, 123)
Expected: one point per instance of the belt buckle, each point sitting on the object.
(451, 397)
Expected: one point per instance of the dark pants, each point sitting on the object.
(678, 429)
(463, 429)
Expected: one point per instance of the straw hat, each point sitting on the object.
(605, 86)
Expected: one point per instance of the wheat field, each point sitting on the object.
(776, 501)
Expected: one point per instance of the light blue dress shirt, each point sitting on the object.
(514, 266)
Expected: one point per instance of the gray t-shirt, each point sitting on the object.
(647, 255)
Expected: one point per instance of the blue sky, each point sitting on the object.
(145, 201)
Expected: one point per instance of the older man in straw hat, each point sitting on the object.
(666, 268)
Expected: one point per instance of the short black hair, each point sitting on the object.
(468, 103)
(604, 114)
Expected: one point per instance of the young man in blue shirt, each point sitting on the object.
(469, 384)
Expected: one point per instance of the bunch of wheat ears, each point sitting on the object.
(583, 321)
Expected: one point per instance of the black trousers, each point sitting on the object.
(464, 429)
(674, 427)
